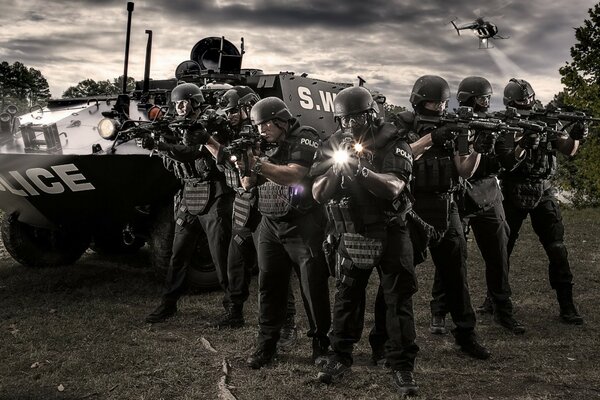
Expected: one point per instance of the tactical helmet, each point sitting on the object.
(517, 90)
(236, 97)
(473, 86)
(429, 88)
(189, 92)
(353, 100)
(268, 109)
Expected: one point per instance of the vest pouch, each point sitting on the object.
(344, 217)
(526, 195)
(231, 178)
(364, 252)
(484, 193)
(196, 195)
(435, 210)
(242, 206)
(434, 175)
(274, 199)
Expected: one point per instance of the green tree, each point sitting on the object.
(581, 80)
(22, 86)
(91, 88)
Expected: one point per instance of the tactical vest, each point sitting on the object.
(274, 200)
(277, 201)
(526, 184)
(232, 178)
(361, 219)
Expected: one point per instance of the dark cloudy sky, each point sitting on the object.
(390, 43)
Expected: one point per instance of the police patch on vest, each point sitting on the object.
(196, 195)
(309, 142)
(404, 154)
(364, 252)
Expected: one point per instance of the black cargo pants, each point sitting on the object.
(491, 231)
(451, 293)
(215, 221)
(546, 221)
(398, 284)
(286, 244)
(241, 260)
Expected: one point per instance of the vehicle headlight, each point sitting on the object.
(108, 128)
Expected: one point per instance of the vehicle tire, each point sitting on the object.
(41, 248)
(109, 240)
(202, 275)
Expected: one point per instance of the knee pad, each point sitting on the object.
(556, 250)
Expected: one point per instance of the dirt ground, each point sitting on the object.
(77, 332)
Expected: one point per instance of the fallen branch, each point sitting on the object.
(207, 345)
(222, 386)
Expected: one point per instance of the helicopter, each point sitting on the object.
(484, 30)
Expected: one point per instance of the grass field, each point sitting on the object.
(78, 333)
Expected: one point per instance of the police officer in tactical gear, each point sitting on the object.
(480, 206)
(362, 172)
(290, 232)
(436, 170)
(204, 202)
(236, 104)
(528, 190)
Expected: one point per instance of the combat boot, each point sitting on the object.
(405, 383)
(165, 310)
(438, 324)
(332, 371)
(232, 318)
(510, 323)
(568, 311)
(288, 334)
(378, 358)
(503, 316)
(320, 351)
(474, 349)
(486, 307)
(261, 357)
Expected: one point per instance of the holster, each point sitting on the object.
(330, 246)
(421, 235)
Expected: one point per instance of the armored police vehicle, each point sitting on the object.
(64, 188)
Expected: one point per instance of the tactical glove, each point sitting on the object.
(441, 135)
(148, 142)
(579, 130)
(195, 135)
(484, 143)
(530, 141)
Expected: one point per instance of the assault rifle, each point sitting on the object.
(464, 122)
(552, 114)
(248, 138)
(547, 134)
(213, 122)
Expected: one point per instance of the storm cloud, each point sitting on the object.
(388, 43)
